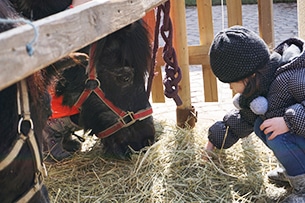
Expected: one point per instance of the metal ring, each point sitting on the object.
(96, 80)
(20, 123)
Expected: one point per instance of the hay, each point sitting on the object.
(171, 170)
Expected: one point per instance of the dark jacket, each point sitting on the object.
(286, 98)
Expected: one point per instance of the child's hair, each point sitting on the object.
(255, 84)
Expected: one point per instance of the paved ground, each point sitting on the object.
(285, 26)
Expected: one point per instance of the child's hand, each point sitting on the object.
(276, 126)
(208, 148)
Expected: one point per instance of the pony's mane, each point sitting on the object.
(7, 11)
(37, 9)
(131, 39)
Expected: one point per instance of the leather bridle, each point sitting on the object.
(29, 138)
(125, 118)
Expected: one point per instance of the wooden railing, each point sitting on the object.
(63, 33)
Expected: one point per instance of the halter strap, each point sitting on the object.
(126, 120)
(13, 153)
(29, 137)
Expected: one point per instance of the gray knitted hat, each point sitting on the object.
(237, 53)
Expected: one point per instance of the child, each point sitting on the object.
(241, 58)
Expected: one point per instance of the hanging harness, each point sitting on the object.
(125, 118)
(29, 138)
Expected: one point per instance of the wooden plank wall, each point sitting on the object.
(63, 33)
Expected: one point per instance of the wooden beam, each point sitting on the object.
(301, 18)
(63, 33)
(150, 4)
(266, 27)
(180, 44)
(205, 21)
(234, 10)
(183, 111)
(199, 55)
(206, 32)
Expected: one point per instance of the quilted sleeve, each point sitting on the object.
(295, 114)
(235, 125)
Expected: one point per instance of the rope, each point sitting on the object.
(172, 70)
(29, 46)
(222, 16)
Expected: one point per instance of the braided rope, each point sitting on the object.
(173, 72)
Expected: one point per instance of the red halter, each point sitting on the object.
(126, 118)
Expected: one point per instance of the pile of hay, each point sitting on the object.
(171, 170)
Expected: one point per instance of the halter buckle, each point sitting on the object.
(127, 119)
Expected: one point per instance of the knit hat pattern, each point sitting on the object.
(237, 53)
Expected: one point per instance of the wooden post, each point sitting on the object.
(234, 10)
(206, 32)
(184, 111)
(265, 16)
(301, 18)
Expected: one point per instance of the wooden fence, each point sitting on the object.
(63, 33)
(198, 55)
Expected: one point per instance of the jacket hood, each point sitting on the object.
(292, 52)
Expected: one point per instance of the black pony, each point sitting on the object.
(19, 178)
(120, 60)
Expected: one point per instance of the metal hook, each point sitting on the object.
(29, 46)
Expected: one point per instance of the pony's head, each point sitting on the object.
(121, 61)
